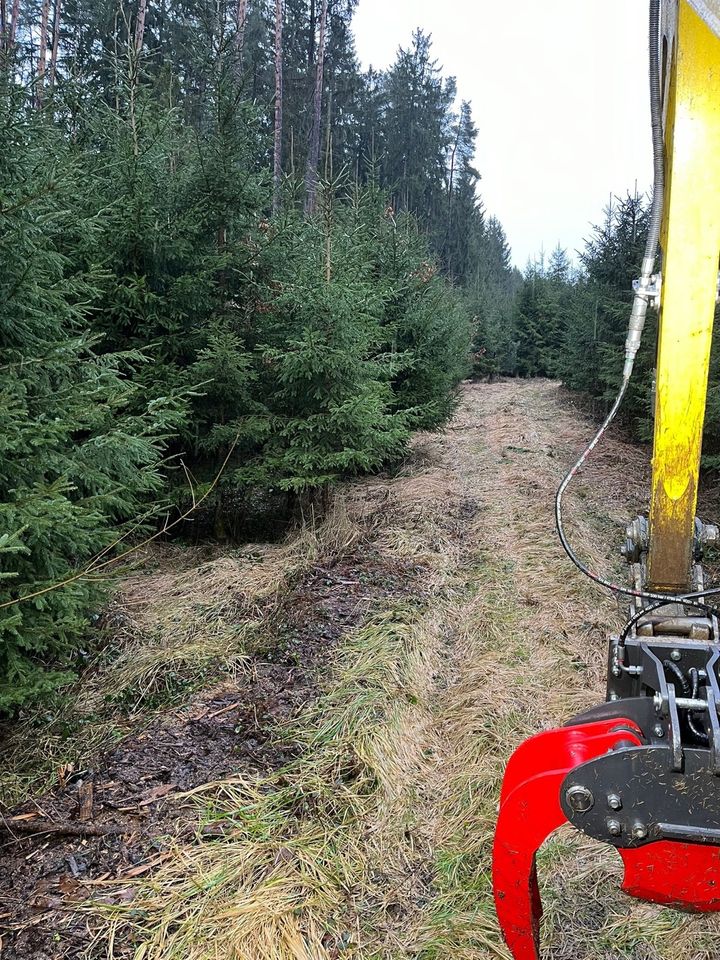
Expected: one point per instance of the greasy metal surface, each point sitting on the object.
(691, 245)
(683, 805)
(639, 710)
(648, 653)
(530, 811)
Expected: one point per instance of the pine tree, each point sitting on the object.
(311, 176)
(153, 270)
(463, 211)
(324, 372)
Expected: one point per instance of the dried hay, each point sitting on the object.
(287, 878)
(375, 842)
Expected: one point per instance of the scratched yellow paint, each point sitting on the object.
(691, 246)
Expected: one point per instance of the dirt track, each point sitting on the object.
(464, 630)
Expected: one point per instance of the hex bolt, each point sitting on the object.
(579, 798)
(659, 730)
(639, 830)
(675, 655)
(614, 801)
(614, 696)
(616, 671)
(614, 828)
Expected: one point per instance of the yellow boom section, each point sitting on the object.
(691, 247)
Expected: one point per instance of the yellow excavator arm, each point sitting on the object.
(709, 10)
(691, 249)
(642, 770)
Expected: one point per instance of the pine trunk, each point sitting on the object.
(3, 26)
(311, 36)
(241, 21)
(14, 22)
(277, 154)
(42, 56)
(311, 177)
(55, 43)
(450, 201)
(140, 26)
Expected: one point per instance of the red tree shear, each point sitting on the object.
(642, 771)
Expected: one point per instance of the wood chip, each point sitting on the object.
(85, 799)
(219, 713)
(157, 793)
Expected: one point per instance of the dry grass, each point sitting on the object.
(288, 876)
(375, 841)
(530, 652)
(183, 622)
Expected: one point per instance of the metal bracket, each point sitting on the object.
(637, 539)
(636, 799)
(652, 290)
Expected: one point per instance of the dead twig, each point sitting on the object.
(63, 828)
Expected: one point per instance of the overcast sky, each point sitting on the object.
(559, 95)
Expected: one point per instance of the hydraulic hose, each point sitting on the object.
(635, 329)
(640, 303)
(692, 722)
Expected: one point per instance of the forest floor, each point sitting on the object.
(332, 792)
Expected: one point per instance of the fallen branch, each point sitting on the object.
(63, 828)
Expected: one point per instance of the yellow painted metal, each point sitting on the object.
(691, 249)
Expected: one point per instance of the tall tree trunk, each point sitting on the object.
(14, 22)
(450, 201)
(4, 45)
(55, 43)
(277, 153)
(140, 26)
(311, 176)
(240, 24)
(328, 138)
(42, 56)
(311, 36)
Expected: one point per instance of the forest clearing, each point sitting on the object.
(334, 792)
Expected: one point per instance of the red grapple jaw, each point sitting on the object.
(681, 875)
(530, 811)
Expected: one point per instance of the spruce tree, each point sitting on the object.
(82, 453)
(324, 372)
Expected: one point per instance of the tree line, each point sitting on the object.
(236, 268)
(570, 323)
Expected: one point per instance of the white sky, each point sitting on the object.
(559, 95)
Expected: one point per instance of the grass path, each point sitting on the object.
(374, 841)
(529, 651)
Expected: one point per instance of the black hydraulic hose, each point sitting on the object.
(690, 689)
(675, 670)
(696, 731)
(635, 328)
(658, 144)
(643, 612)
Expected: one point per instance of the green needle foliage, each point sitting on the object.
(81, 450)
(572, 324)
(173, 325)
